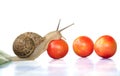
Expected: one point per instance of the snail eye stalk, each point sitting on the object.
(58, 24)
(66, 27)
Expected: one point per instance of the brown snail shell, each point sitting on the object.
(25, 44)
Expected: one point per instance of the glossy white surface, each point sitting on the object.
(80, 67)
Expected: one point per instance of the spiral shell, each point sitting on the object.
(25, 44)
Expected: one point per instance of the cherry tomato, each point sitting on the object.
(105, 46)
(83, 46)
(57, 49)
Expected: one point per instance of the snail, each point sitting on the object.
(30, 45)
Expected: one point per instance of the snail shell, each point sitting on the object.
(25, 44)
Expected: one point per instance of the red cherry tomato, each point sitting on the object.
(83, 46)
(57, 49)
(105, 46)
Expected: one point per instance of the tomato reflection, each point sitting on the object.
(105, 67)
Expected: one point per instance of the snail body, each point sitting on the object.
(29, 45)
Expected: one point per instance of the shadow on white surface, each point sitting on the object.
(106, 67)
(57, 68)
(29, 68)
(81, 67)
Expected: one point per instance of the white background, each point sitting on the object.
(92, 18)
